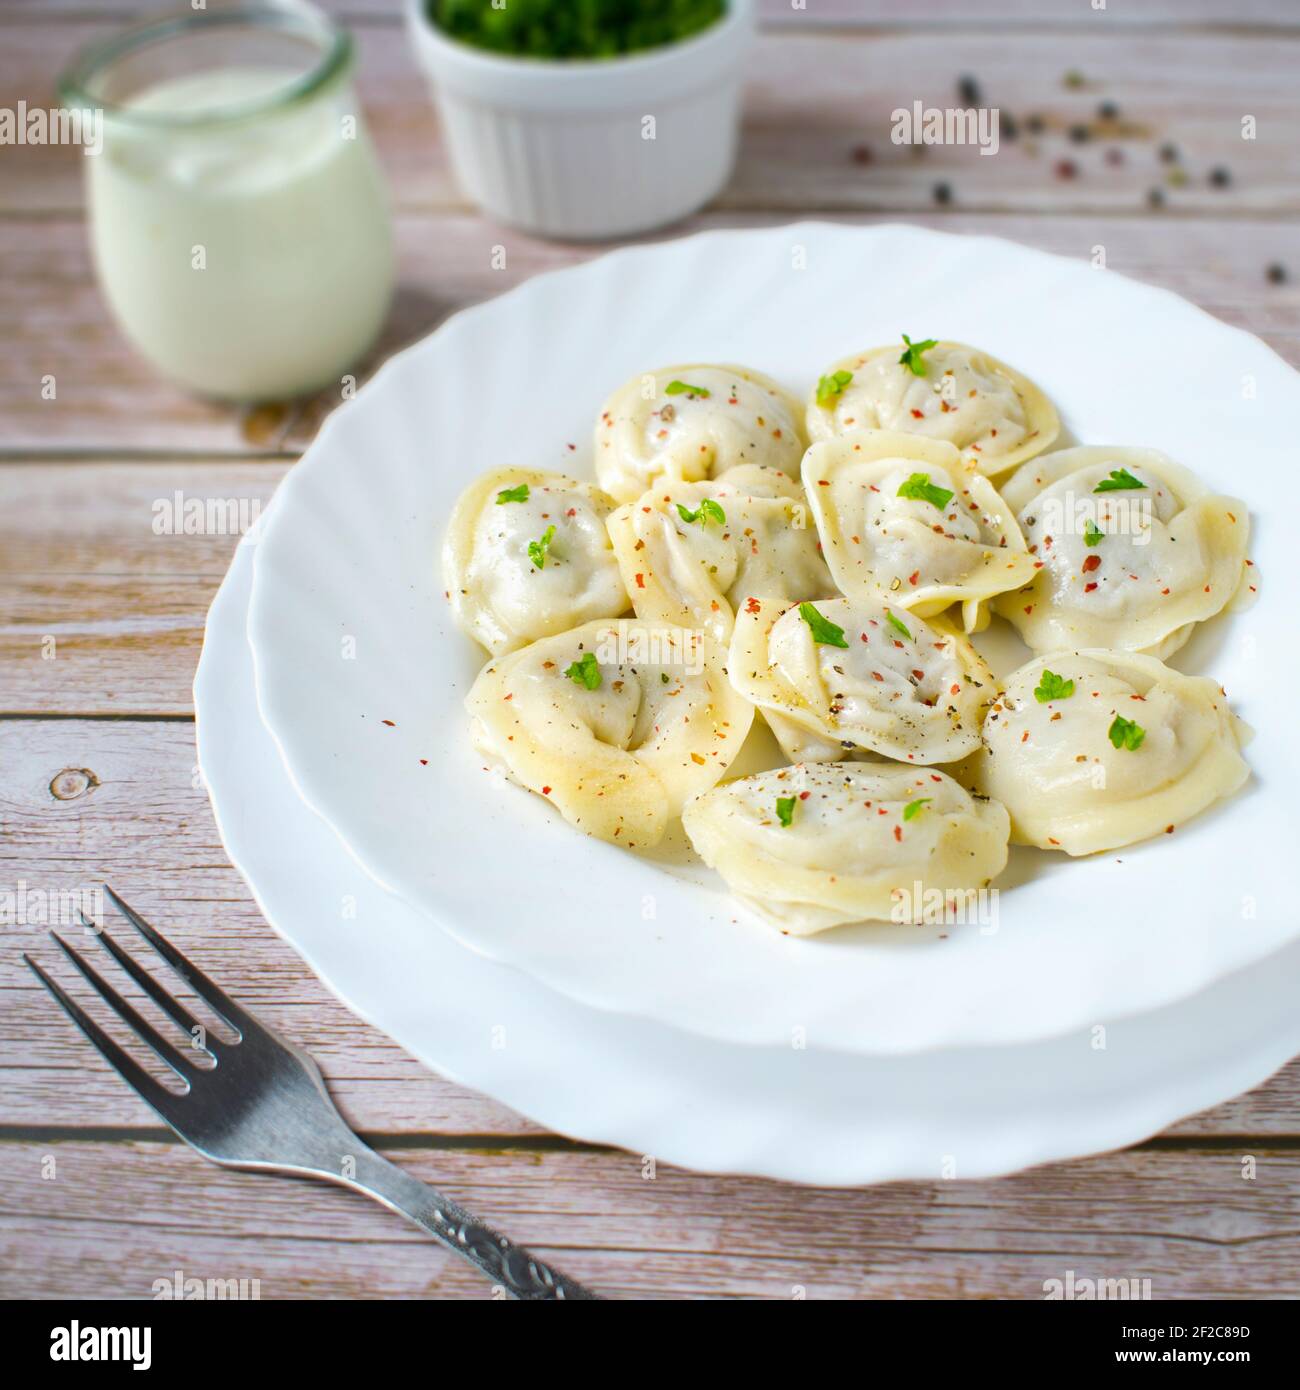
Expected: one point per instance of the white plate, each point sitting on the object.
(349, 553)
(799, 1115)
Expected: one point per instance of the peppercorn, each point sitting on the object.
(1008, 128)
(1276, 273)
(1079, 133)
(943, 193)
(1220, 177)
(1168, 154)
(969, 90)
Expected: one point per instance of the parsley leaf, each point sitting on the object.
(539, 550)
(912, 358)
(708, 510)
(512, 494)
(916, 806)
(1052, 687)
(1120, 480)
(585, 672)
(919, 488)
(785, 809)
(676, 388)
(824, 632)
(1124, 733)
(829, 387)
(1092, 533)
(897, 624)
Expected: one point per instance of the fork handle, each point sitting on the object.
(509, 1266)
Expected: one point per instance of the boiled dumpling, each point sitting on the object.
(1132, 549)
(811, 847)
(694, 422)
(1091, 750)
(617, 723)
(900, 517)
(941, 390)
(863, 674)
(527, 555)
(691, 553)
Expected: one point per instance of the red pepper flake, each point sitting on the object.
(424, 762)
(898, 833)
(1051, 841)
(1088, 588)
(918, 415)
(1169, 830)
(1029, 610)
(956, 690)
(752, 605)
(389, 722)
(1164, 591)
(546, 791)
(1091, 562)
(1024, 738)
(640, 581)
(878, 676)
(803, 796)
(920, 675)
(914, 576)
(573, 511)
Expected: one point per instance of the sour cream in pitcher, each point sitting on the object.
(240, 227)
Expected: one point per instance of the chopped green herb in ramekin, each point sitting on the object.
(573, 29)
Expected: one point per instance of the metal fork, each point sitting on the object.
(263, 1105)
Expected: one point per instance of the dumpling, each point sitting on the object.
(863, 674)
(527, 555)
(812, 847)
(993, 415)
(900, 517)
(1091, 750)
(694, 422)
(617, 723)
(1132, 551)
(691, 553)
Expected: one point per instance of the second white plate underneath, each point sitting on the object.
(795, 1113)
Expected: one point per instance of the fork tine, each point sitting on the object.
(149, 1090)
(160, 996)
(215, 998)
(164, 1050)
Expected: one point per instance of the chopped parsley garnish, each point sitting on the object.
(708, 510)
(663, 677)
(1120, 480)
(824, 632)
(916, 806)
(585, 672)
(1124, 733)
(829, 387)
(919, 488)
(538, 551)
(677, 388)
(785, 809)
(1092, 533)
(1052, 687)
(897, 624)
(912, 354)
(512, 494)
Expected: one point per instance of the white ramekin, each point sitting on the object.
(590, 149)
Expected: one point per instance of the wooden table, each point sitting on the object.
(120, 611)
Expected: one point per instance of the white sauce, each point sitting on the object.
(247, 259)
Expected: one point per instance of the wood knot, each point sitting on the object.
(73, 782)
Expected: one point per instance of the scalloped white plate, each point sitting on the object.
(799, 1115)
(349, 629)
